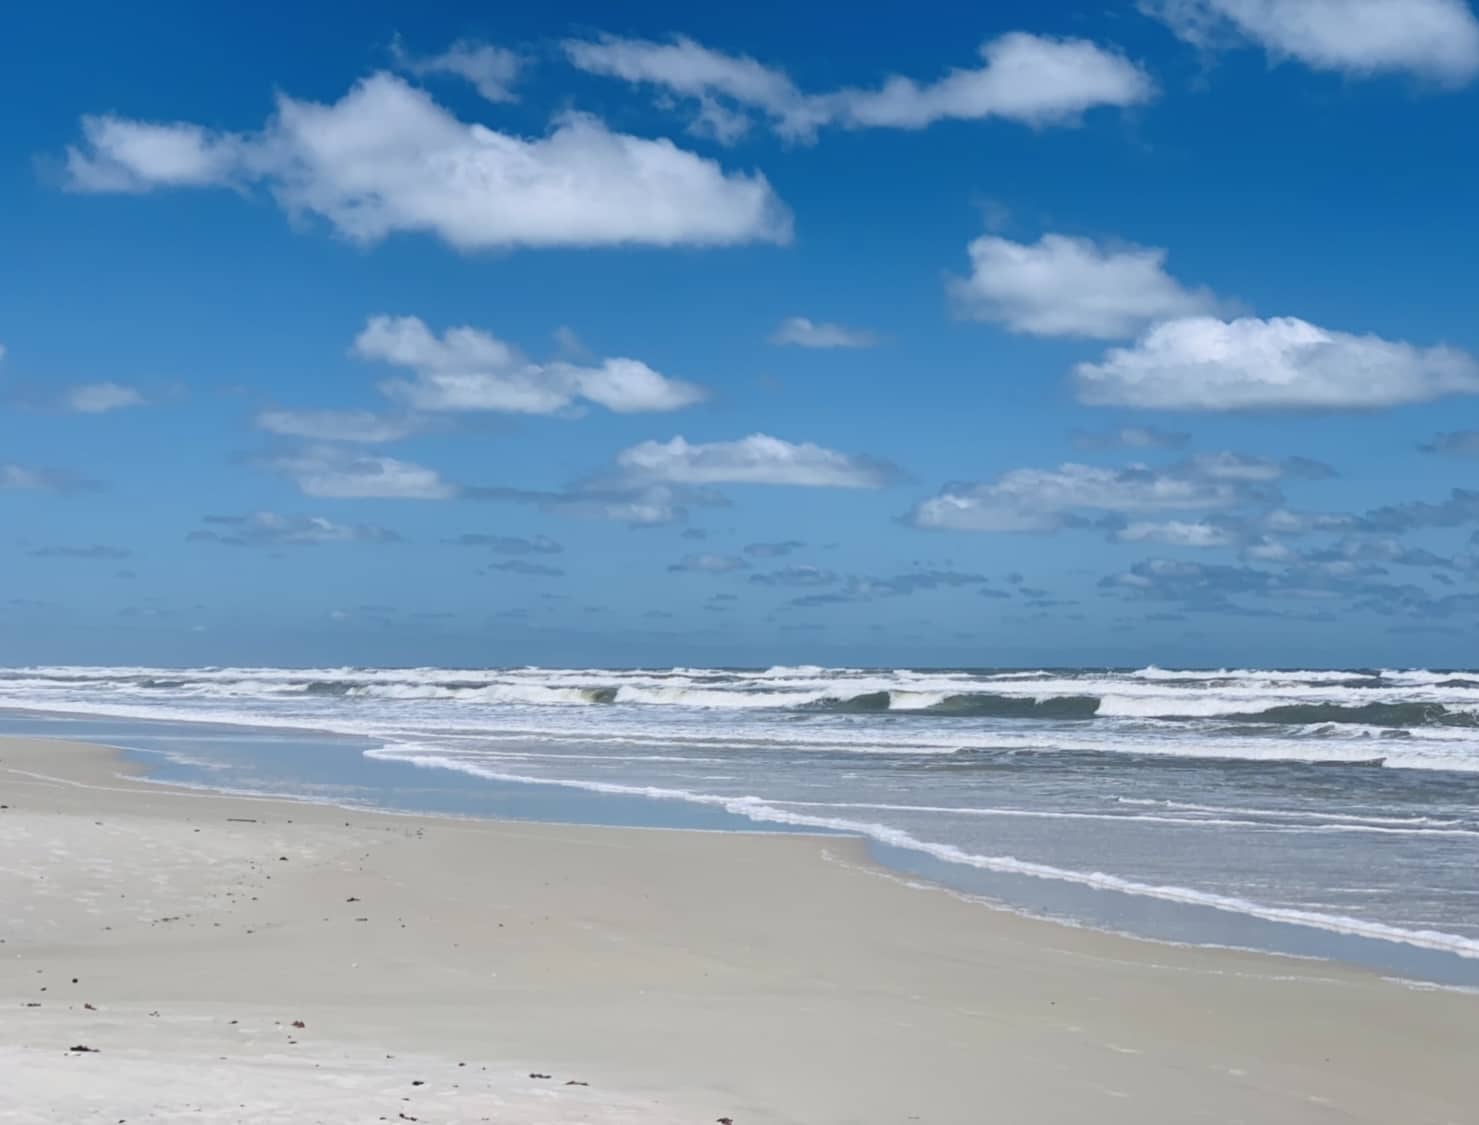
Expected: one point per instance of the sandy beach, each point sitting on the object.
(230, 959)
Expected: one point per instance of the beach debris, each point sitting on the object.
(407, 1117)
(83, 1049)
(299, 1023)
(242, 819)
(533, 1075)
(724, 1120)
(576, 1082)
(351, 898)
(282, 858)
(33, 1004)
(89, 1007)
(417, 1082)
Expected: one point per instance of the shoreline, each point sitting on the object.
(1162, 912)
(686, 975)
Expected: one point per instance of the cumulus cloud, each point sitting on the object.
(657, 483)
(120, 155)
(1437, 40)
(96, 551)
(1203, 363)
(757, 459)
(709, 564)
(1130, 437)
(491, 70)
(1064, 286)
(387, 159)
(1030, 79)
(270, 529)
(467, 369)
(1176, 533)
(1038, 500)
(801, 332)
(333, 472)
(357, 426)
(1240, 467)
(688, 69)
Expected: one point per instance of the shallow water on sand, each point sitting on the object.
(1319, 813)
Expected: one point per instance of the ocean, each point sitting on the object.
(1312, 812)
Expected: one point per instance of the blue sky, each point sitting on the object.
(1021, 334)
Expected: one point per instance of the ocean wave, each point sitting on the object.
(1415, 719)
(961, 705)
(762, 811)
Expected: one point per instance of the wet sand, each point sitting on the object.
(440, 969)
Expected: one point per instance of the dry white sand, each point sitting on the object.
(438, 965)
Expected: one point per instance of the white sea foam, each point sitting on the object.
(1003, 771)
(759, 810)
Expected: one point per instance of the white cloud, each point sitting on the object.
(648, 507)
(1268, 550)
(692, 70)
(1064, 286)
(1434, 39)
(119, 155)
(1032, 79)
(1254, 470)
(362, 426)
(805, 333)
(1202, 363)
(757, 459)
(1030, 500)
(1286, 522)
(1035, 80)
(333, 472)
(466, 369)
(491, 70)
(386, 158)
(99, 398)
(269, 529)
(1175, 533)
(709, 564)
